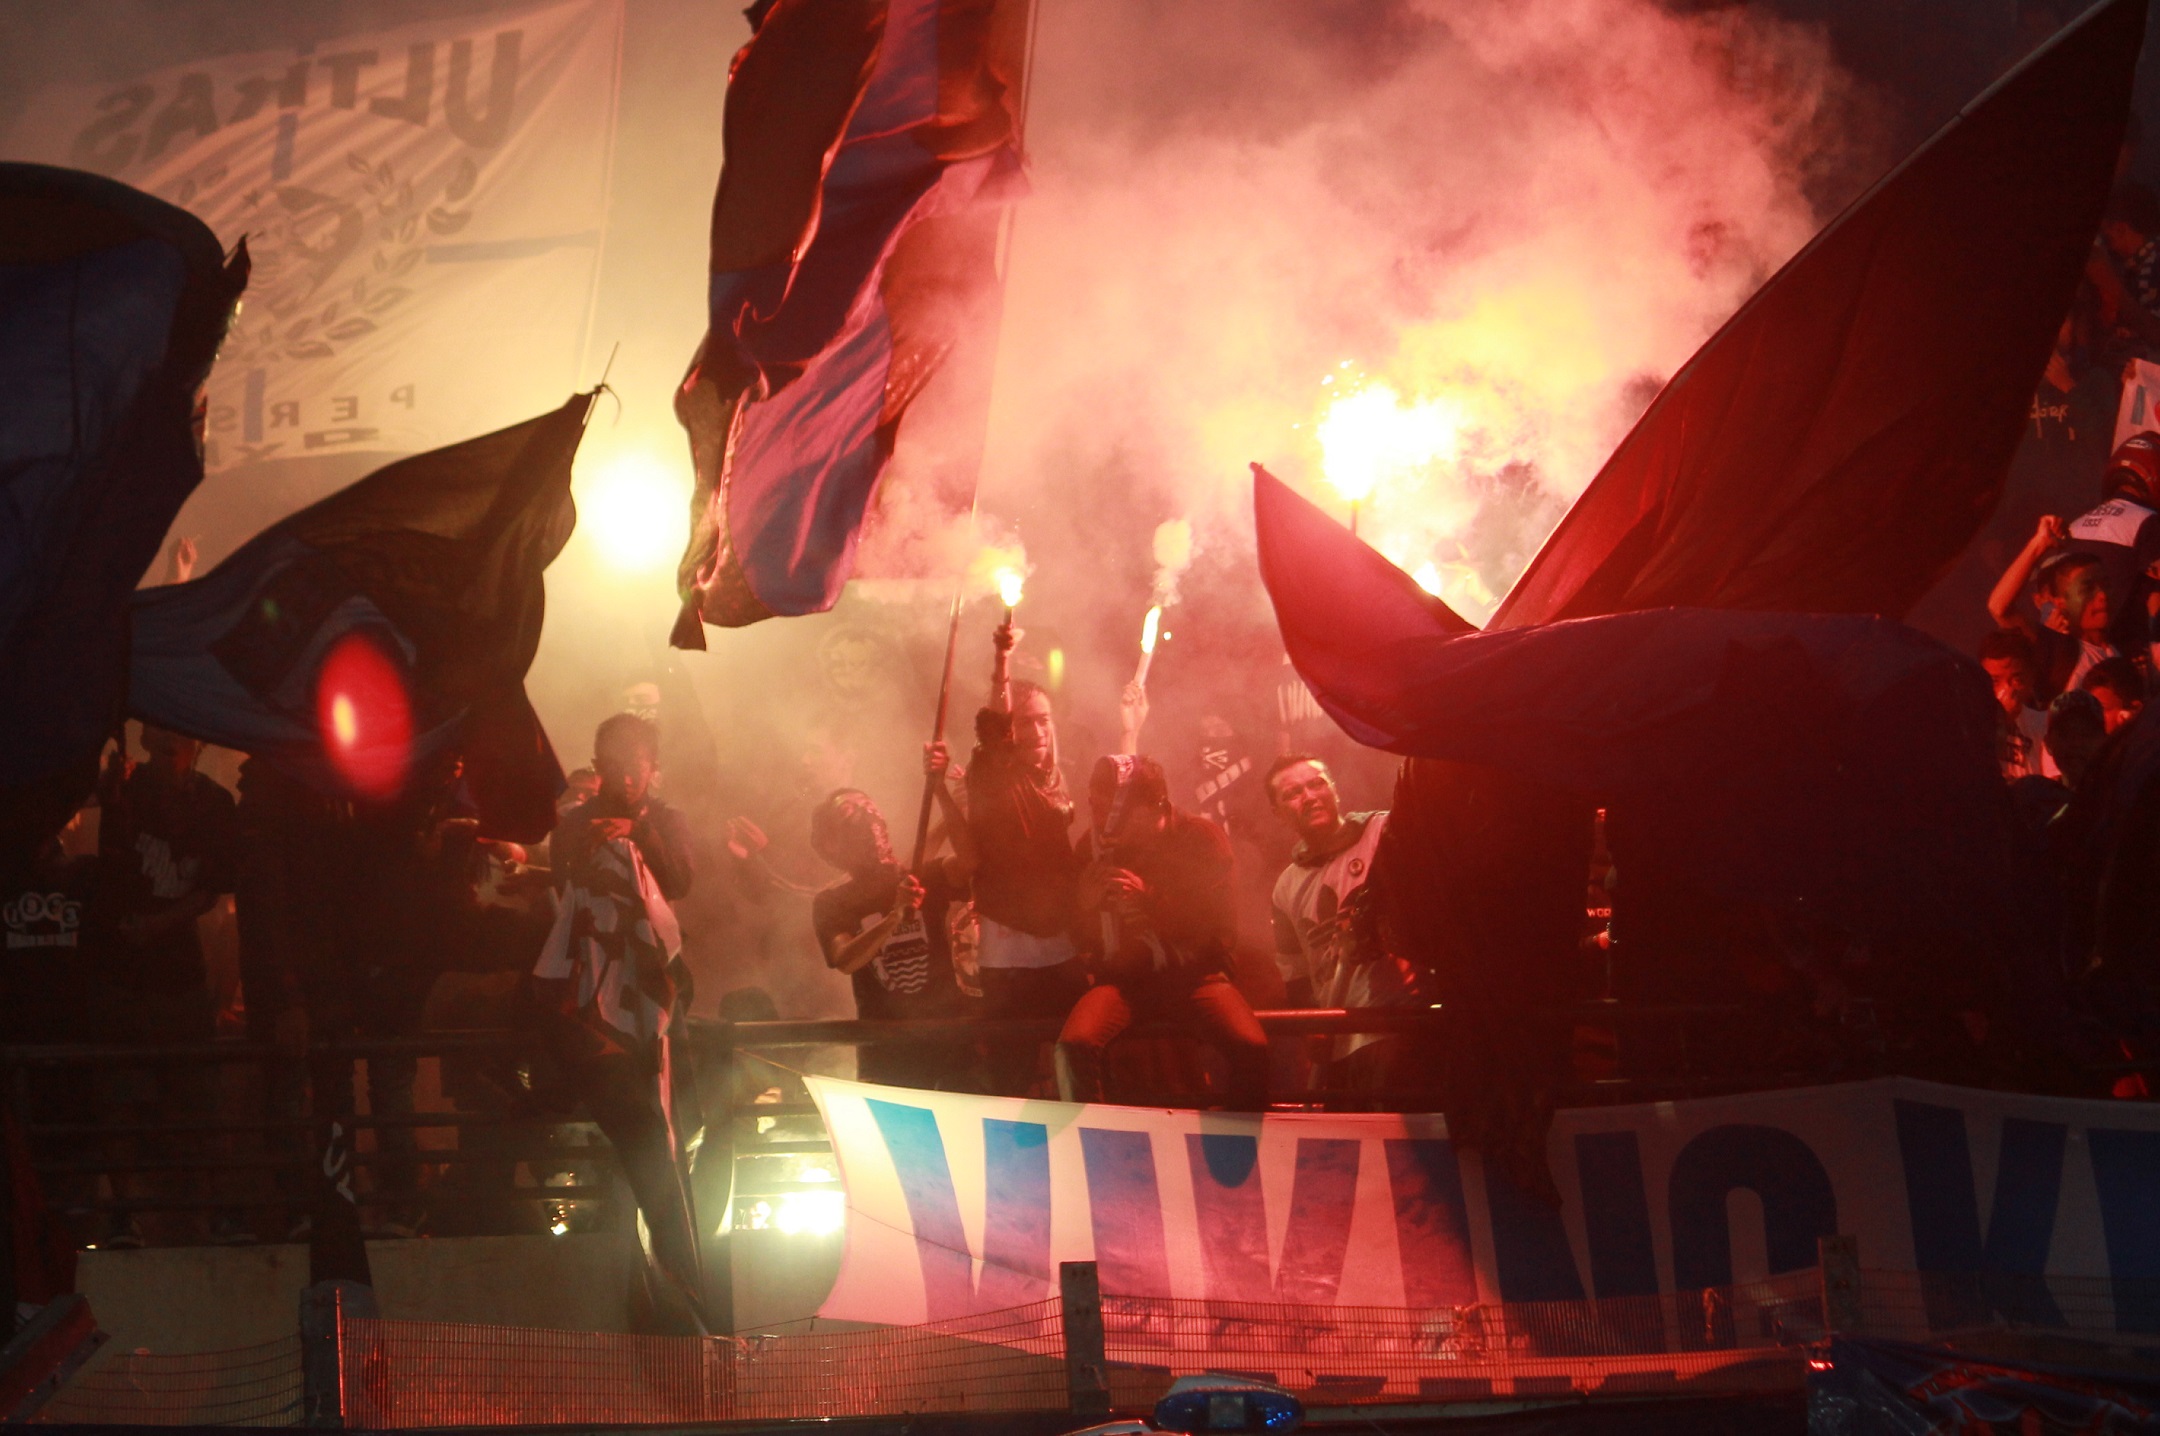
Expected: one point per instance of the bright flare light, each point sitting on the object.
(1369, 435)
(814, 1214)
(635, 511)
(1428, 577)
(1150, 628)
(1010, 583)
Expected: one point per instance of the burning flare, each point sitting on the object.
(1369, 436)
(1010, 584)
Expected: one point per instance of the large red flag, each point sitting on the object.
(1839, 442)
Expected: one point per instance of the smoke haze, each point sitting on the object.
(1518, 218)
(1498, 225)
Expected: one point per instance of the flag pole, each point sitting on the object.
(952, 624)
(937, 724)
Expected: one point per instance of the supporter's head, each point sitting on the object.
(848, 831)
(2119, 687)
(1128, 799)
(2068, 589)
(1034, 729)
(2076, 729)
(581, 786)
(171, 754)
(626, 755)
(2012, 667)
(1302, 792)
(2133, 470)
(2133, 217)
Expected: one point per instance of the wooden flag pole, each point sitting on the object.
(937, 729)
(952, 627)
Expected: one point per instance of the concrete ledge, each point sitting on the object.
(174, 1300)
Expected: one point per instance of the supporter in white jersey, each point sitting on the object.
(1314, 946)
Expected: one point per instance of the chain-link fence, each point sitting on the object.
(249, 1386)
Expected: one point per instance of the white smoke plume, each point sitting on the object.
(1498, 224)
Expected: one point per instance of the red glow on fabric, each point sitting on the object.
(365, 717)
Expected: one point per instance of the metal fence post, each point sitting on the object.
(325, 1307)
(1087, 1369)
(717, 1151)
(1841, 1308)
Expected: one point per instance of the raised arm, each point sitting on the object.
(1132, 716)
(2003, 599)
(1002, 643)
(937, 765)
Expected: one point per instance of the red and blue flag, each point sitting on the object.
(867, 140)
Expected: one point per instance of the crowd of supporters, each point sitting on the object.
(1074, 889)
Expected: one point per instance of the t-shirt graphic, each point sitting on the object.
(903, 964)
(42, 919)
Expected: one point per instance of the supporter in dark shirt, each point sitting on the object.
(626, 807)
(48, 939)
(1024, 872)
(613, 1036)
(167, 849)
(1159, 918)
(2119, 687)
(167, 843)
(887, 929)
(2020, 728)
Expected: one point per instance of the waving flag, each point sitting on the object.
(111, 308)
(1843, 758)
(868, 142)
(371, 632)
(1819, 461)
(1839, 442)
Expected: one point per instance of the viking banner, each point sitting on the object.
(424, 207)
(962, 1204)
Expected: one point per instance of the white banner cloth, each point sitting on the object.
(959, 1204)
(424, 207)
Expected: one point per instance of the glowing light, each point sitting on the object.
(1011, 583)
(1150, 628)
(364, 715)
(1370, 435)
(814, 1214)
(635, 511)
(560, 1227)
(1428, 577)
(344, 723)
(1054, 668)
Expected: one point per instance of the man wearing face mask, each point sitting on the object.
(626, 760)
(1157, 902)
